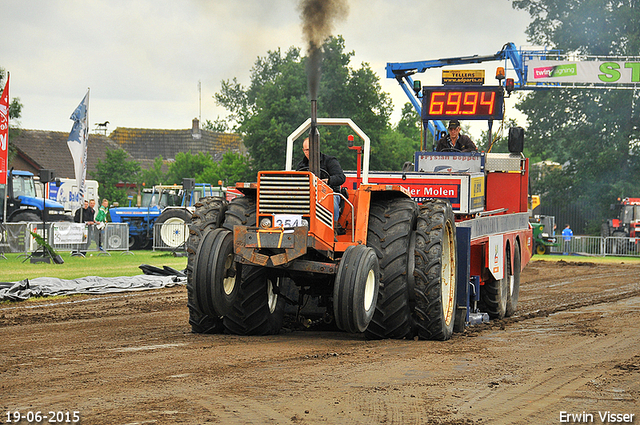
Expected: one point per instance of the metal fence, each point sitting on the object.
(170, 236)
(64, 236)
(598, 246)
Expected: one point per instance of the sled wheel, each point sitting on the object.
(495, 293)
(355, 289)
(514, 282)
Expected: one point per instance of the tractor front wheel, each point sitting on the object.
(356, 288)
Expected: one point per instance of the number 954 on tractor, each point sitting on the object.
(405, 265)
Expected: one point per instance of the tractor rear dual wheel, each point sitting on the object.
(208, 216)
(391, 233)
(258, 310)
(252, 304)
(435, 271)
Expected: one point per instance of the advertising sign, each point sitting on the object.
(496, 263)
(595, 72)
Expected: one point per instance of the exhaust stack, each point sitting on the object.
(314, 140)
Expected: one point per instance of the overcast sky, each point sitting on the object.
(142, 59)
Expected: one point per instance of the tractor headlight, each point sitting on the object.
(265, 223)
(544, 235)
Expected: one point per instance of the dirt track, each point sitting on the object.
(573, 347)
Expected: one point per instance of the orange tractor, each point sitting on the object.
(391, 275)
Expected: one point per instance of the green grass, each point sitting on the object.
(587, 259)
(14, 269)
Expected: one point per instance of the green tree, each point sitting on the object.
(187, 165)
(410, 123)
(116, 168)
(154, 175)
(594, 133)
(230, 169)
(276, 102)
(219, 125)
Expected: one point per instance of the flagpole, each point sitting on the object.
(6, 182)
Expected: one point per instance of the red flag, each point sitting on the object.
(4, 132)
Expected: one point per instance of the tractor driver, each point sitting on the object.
(331, 165)
(454, 141)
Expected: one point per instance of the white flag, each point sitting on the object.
(77, 142)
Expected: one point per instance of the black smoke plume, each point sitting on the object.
(318, 17)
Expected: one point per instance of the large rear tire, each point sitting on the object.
(355, 290)
(620, 242)
(27, 216)
(208, 215)
(259, 309)
(435, 270)
(391, 234)
(241, 211)
(514, 282)
(173, 230)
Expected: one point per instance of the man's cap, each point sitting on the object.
(454, 124)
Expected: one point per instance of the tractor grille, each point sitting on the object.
(284, 194)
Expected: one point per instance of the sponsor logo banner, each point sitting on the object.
(594, 72)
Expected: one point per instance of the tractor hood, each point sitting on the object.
(119, 213)
(37, 202)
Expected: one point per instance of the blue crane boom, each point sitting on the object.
(402, 72)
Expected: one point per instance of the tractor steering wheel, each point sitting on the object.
(324, 174)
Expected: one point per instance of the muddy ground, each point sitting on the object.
(573, 347)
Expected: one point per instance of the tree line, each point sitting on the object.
(592, 134)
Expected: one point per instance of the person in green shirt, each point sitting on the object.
(101, 220)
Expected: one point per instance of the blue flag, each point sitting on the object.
(77, 143)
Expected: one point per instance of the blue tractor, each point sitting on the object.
(25, 202)
(169, 205)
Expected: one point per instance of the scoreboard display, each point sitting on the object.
(465, 103)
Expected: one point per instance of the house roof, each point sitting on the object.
(147, 144)
(48, 150)
(39, 149)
